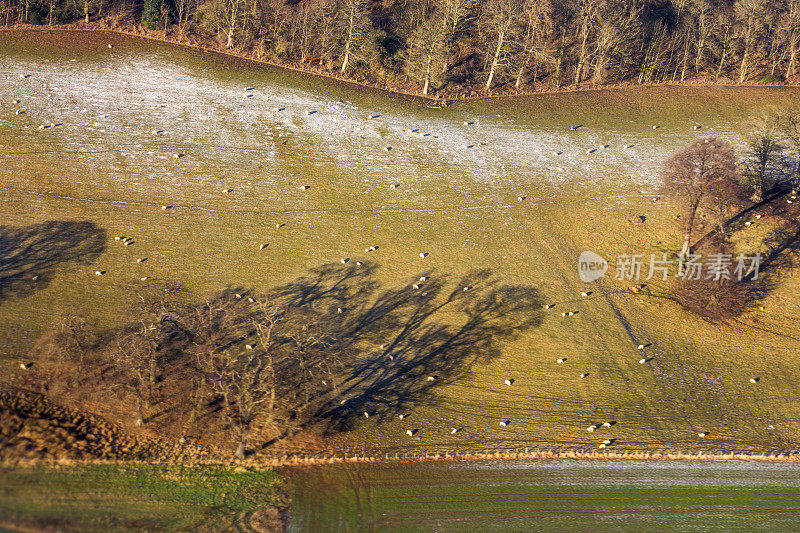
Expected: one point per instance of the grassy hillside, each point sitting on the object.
(456, 201)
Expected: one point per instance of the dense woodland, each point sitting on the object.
(439, 46)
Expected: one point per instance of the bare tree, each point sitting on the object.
(790, 129)
(355, 30)
(587, 15)
(764, 154)
(696, 173)
(705, 22)
(749, 14)
(537, 28)
(427, 53)
(500, 16)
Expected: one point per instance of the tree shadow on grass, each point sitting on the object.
(405, 342)
(30, 255)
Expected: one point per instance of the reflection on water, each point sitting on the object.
(547, 495)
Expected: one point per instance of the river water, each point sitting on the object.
(574, 495)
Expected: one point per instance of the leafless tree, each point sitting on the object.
(697, 173)
(764, 154)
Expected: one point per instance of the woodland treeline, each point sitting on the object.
(489, 45)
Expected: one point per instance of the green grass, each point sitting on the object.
(135, 497)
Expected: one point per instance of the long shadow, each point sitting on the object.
(405, 342)
(30, 255)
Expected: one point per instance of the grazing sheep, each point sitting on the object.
(569, 313)
(640, 347)
(141, 259)
(280, 225)
(144, 278)
(374, 116)
(165, 207)
(248, 346)
(304, 187)
(642, 361)
(607, 442)
(431, 378)
(453, 431)
(99, 272)
(238, 295)
(359, 263)
(591, 428)
(759, 216)
(311, 111)
(424, 294)
(423, 254)
(423, 278)
(251, 300)
(467, 288)
(469, 146)
(588, 293)
(394, 186)
(344, 260)
(521, 198)
(25, 366)
(585, 374)
(697, 126)
(401, 416)
(415, 286)
(339, 310)
(20, 111)
(755, 380)
(557, 153)
(607, 424)
(591, 150)
(366, 414)
(509, 382)
(748, 223)
(128, 242)
(177, 155)
(549, 306)
(118, 238)
(34, 278)
(504, 423)
(279, 109)
(602, 445)
(702, 434)
(410, 432)
(262, 246)
(388, 148)
(561, 360)
(469, 123)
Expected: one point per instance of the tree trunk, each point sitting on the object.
(792, 68)
(724, 54)
(240, 450)
(427, 75)
(687, 235)
(86, 12)
(349, 42)
(582, 57)
(496, 59)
